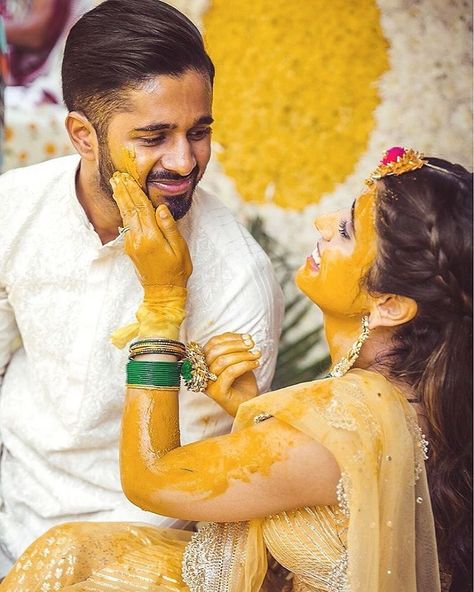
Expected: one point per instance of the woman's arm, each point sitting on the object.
(261, 470)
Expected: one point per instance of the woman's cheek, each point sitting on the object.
(335, 289)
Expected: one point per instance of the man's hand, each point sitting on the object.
(153, 242)
(229, 357)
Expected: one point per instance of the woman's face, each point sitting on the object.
(332, 274)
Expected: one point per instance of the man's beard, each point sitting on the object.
(178, 205)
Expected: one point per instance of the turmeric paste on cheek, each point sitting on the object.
(130, 163)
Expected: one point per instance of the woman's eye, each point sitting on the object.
(343, 229)
(200, 134)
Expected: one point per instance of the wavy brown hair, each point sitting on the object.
(424, 227)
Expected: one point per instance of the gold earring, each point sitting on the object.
(346, 363)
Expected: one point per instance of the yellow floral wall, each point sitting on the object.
(309, 94)
(295, 93)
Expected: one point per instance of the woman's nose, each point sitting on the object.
(326, 224)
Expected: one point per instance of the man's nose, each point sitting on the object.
(326, 224)
(179, 158)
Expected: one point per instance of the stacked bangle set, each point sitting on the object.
(190, 364)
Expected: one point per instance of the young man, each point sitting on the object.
(138, 85)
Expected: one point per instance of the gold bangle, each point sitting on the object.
(149, 387)
(155, 350)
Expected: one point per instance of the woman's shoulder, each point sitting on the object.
(359, 392)
(357, 383)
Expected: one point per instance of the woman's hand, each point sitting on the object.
(161, 259)
(153, 242)
(230, 358)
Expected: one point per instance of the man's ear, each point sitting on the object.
(82, 135)
(390, 310)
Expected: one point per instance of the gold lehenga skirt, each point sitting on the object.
(101, 557)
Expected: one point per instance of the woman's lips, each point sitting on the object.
(172, 187)
(312, 263)
(314, 260)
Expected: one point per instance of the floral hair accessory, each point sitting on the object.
(396, 161)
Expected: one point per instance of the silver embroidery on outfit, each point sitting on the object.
(212, 555)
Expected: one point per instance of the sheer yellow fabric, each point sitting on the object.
(161, 313)
(373, 433)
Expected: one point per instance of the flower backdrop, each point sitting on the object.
(308, 95)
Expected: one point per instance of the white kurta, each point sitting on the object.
(62, 392)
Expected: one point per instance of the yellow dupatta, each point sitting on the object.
(373, 433)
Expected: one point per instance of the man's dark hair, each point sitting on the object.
(121, 44)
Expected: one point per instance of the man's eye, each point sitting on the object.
(200, 134)
(153, 141)
(343, 229)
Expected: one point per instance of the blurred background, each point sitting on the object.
(308, 94)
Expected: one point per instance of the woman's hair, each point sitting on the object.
(424, 227)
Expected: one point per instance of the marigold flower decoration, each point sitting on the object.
(396, 161)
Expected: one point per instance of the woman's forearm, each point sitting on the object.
(150, 429)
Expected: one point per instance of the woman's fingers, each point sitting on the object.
(223, 362)
(169, 228)
(130, 217)
(121, 197)
(227, 343)
(143, 208)
(159, 225)
(133, 202)
(230, 375)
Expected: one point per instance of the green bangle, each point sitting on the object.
(149, 373)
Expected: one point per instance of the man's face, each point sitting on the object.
(168, 129)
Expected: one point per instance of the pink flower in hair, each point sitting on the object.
(396, 161)
(392, 154)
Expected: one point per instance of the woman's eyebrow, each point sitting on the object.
(352, 216)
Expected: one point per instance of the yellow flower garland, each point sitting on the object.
(295, 92)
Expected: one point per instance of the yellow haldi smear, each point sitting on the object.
(209, 469)
(349, 295)
(130, 162)
(337, 287)
(203, 469)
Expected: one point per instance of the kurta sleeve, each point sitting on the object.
(8, 335)
(247, 300)
(8, 332)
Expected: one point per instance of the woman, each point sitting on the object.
(328, 476)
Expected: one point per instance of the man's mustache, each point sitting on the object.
(169, 176)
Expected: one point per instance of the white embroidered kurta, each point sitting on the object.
(64, 293)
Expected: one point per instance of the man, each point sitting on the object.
(138, 86)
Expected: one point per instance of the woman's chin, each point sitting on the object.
(305, 281)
